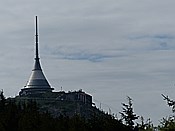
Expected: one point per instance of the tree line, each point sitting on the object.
(27, 117)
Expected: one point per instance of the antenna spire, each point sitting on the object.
(36, 35)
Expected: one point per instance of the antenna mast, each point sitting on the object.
(36, 35)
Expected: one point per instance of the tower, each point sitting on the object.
(37, 82)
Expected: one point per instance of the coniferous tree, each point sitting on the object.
(168, 123)
(128, 114)
(2, 100)
(171, 103)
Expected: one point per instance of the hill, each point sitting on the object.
(44, 114)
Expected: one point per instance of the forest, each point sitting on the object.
(27, 117)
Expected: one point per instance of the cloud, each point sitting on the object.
(72, 53)
(84, 56)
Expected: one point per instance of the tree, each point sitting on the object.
(167, 124)
(2, 100)
(145, 125)
(128, 114)
(171, 103)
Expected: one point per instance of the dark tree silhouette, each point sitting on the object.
(128, 114)
(170, 102)
(2, 100)
(27, 116)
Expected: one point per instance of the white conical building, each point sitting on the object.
(37, 82)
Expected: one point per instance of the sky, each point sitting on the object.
(109, 48)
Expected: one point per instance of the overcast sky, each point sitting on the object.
(109, 48)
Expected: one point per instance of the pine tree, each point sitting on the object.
(128, 114)
(2, 100)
